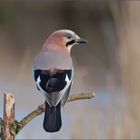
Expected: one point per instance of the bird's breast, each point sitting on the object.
(52, 60)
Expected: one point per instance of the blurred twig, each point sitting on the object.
(17, 126)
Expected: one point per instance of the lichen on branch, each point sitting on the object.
(2, 128)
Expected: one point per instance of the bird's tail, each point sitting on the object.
(52, 118)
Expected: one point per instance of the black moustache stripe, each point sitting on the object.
(70, 42)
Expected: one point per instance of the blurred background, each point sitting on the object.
(109, 64)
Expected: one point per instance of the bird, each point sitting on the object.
(53, 72)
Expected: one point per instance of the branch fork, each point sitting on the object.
(9, 126)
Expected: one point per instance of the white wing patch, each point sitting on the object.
(42, 91)
(55, 97)
(62, 92)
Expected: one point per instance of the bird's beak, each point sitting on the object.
(81, 40)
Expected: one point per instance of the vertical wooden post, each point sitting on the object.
(8, 114)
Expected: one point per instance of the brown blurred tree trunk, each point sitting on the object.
(130, 48)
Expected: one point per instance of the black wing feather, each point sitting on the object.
(53, 83)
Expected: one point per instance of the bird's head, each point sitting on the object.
(62, 39)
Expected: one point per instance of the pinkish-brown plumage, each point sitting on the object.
(55, 42)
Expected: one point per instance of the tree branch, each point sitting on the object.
(17, 126)
(8, 114)
(81, 96)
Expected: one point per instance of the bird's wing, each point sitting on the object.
(66, 95)
(67, 92)
(54, 88)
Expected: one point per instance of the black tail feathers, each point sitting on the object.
(52, 118)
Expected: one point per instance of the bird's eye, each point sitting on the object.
(69, 36)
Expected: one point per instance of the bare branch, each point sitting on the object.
(81, 96)
(17, 126)
(9, 114)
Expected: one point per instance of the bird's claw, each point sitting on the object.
(42, 106)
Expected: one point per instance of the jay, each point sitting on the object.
(53, 74)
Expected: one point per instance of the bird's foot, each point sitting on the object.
(42, 106)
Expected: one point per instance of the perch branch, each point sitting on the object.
(81, 96)
(17, 126)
